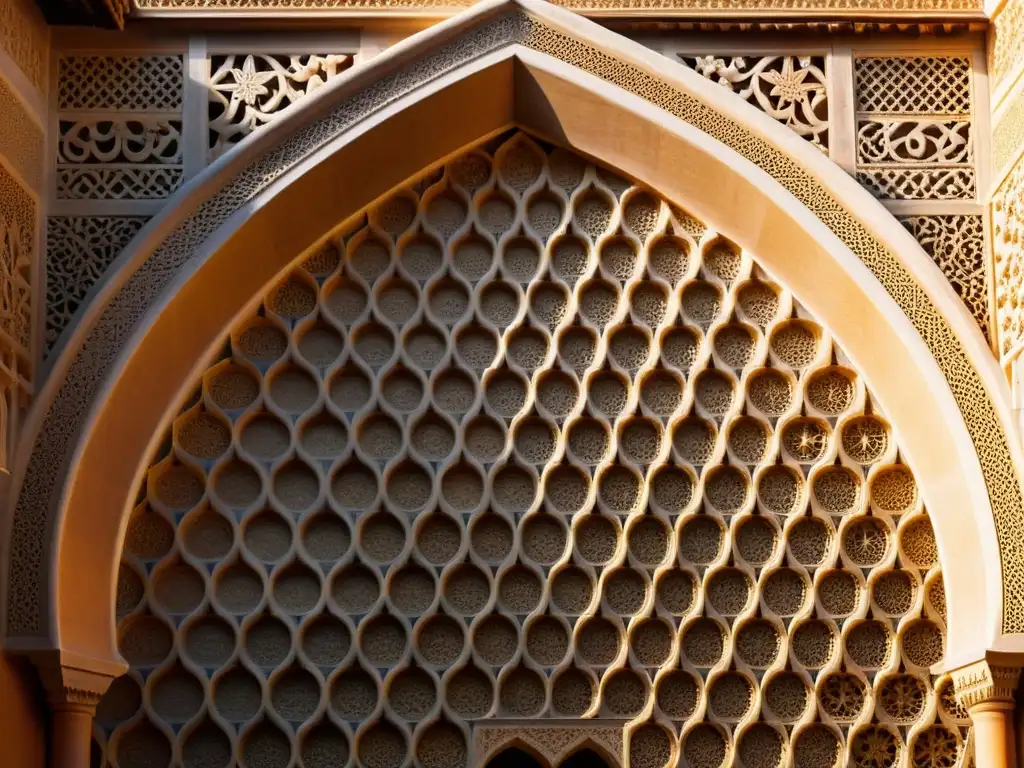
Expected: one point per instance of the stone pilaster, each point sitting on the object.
(986, 691)
(74, 686)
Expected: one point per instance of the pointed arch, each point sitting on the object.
(152, 326)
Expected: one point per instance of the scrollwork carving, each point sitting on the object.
(914, 141)
(139, 140)
(247, 92)
(132, 158)
(791, 89)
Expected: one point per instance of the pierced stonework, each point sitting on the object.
(248, 91)
(576, 544)
(791, 89)
(914, 128)
(133, 159)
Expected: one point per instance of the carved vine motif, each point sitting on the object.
(791, 89)
(138, 158)
(15, 286)
(1007, 237)
(247, 92)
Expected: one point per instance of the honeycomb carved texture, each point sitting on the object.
(527, 442)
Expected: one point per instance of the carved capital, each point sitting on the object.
(72, 682)
(985, 683)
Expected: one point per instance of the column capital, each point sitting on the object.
(986, 683)
(73, 682)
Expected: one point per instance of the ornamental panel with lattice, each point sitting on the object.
(123, 83)
(136, 159)
(249, 91)
(529, 442)
(914, 129)
(119, 130)
(791, 89)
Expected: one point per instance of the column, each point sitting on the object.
(986, 691)
(74, 686)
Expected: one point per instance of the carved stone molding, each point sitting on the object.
(73, 682)
(983, 682)
(720, 8)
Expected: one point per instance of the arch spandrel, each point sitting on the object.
(643, 131)
(528, 442)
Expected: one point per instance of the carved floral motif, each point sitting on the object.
(791, 89)
(247, 92)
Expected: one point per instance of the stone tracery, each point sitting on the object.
(528, 442)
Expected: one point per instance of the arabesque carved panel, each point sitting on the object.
(248, 91)
(957, 245)
(914, 129)
(531, 443)
(791, 89)
(78, 252)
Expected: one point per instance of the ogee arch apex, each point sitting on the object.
(35, 612)
(531, 443)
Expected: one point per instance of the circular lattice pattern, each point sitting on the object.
(529, 442)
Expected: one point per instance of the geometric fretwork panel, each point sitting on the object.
(530, 443)
(914, 127)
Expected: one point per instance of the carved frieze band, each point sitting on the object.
(982, 683)
(703, 7)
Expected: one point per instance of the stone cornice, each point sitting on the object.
(985, 683)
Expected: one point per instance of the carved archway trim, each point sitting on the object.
(67, 529)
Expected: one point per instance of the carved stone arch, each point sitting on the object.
(194, 269)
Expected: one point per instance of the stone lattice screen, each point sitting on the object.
(527, 442)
